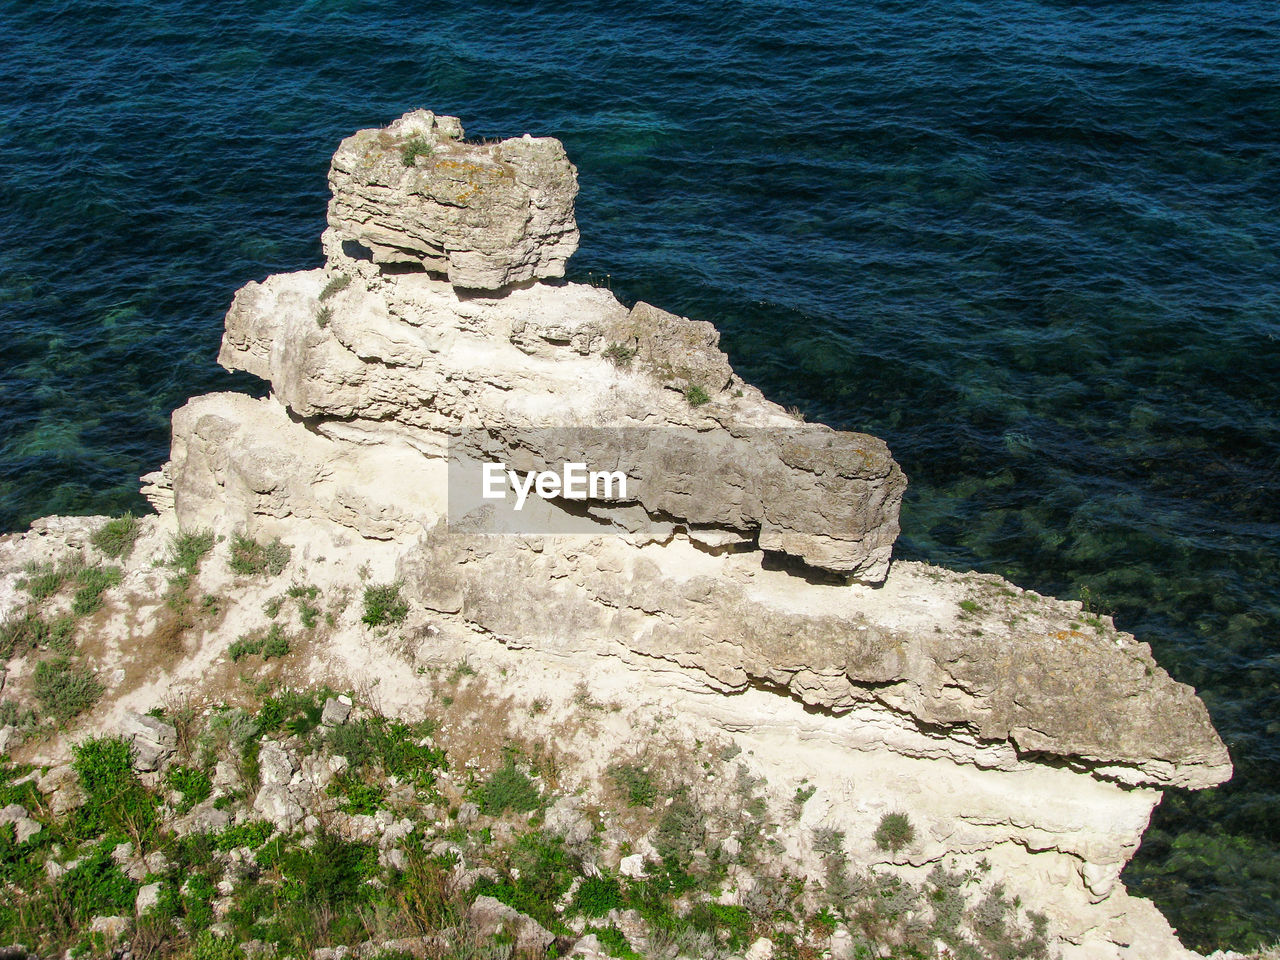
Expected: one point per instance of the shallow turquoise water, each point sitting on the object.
(1036, 246)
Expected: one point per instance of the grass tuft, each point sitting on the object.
(94, 581)
(249, 558)
(64, 689)
(894, 832)
(696, 395)
(413, 149)
(188, 549)
(116, 538)
(383, 604)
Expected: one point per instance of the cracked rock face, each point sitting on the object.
(485, 215)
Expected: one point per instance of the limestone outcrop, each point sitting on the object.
(532, 378)
(743, 583)
(485, 215)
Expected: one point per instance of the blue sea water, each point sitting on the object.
(1034, 245)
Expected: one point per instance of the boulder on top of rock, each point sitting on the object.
(486, 215)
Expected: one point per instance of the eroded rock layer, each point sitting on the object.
(403, 356)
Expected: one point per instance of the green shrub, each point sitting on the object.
(191, 782)
(351, 740)
(538, 872)
(358, 796)
(396, 748)
(337, 283)
(64, 689)
(323, 316)
(829, 842)
(730, 924)
(209, 946)
(186, 550)
(803, 793)
(275, 644)
(596, 896)
(508, 788)
(383, 604)
(614, 942)
(294, 710)
(249, 557)
(95, 886)
(680, 831)
(331, 871)
(252, 834)
(696, 395)
(197, 902)
(22, 718)
(308, 614)
(413, 149)
(61, 635)
(117, 802)
(894, 832)
(635, 783)
(115, 538)
(244, 646)
(93, 582)
(24, 793)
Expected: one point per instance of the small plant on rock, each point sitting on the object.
(337, 283)
(383, 604)
(249, 558)
(43, 580)
(696, 395)
(894, 832)
(413, 149)
(21, 635)
(115, 538)
(620, 355)
(186, 550)
(94, 581)
(64, 689)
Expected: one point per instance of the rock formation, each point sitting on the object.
(744, 583)
(485, 215)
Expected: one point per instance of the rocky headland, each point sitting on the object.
(744, 728)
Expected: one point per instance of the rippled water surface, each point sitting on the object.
(1036, 246)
